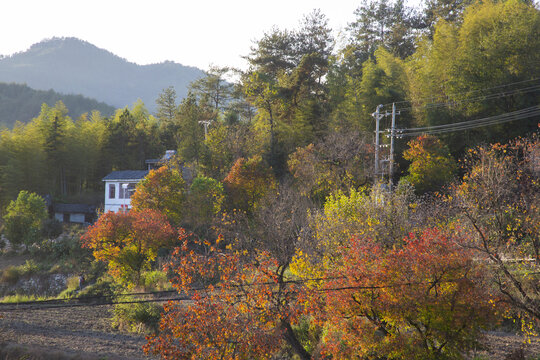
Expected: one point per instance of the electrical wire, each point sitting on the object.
(464, 92)
(454, 103)
(471, 124)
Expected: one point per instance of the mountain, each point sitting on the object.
(21, 103)
(73, 66)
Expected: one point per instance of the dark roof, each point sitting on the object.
(74, 208)
(126, 175)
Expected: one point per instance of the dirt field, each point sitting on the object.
(81, 331)
(85, 333)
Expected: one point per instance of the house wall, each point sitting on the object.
(116, 203)
(74, 218)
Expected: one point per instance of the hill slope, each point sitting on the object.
(73, 66)
(21, 103)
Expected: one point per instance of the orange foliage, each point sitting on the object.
(422, 301)
(247, 182)
(128, 241)
(241, 307)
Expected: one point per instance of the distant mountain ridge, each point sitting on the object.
(21, 103)
(73, 66)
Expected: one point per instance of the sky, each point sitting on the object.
(196, 33)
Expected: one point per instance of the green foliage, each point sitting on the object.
(162, 190)
(24, 218)
(12, 274)
(205, 202)
(139, 317)
(432, 166)
(155, 281)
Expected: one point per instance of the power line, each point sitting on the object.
(469, 92)
(471, 124)
(534, 88)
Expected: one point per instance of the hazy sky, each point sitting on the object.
(194, 32)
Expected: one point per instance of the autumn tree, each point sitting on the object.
(246, 304)
(128, 241)
(248, 181)
(340, 161)
(424, 300)
(431, 166)
(162, 190)
(382, 216)
(497, 205)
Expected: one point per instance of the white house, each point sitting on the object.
(119, 186)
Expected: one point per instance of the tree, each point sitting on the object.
(248, 181)
(497, 206)
(166, 105)
(481, 67)
(128, 241)
(384, 217)
(240, 309)
(205, 202)
(213, 90)
(162, 190)
(425, 300)
(167, 115)
(431, 163)
(24, 218)
(247, 306)
(340, 161)
(191, 133)
(379, 23)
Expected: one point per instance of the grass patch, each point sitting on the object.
(18, 298)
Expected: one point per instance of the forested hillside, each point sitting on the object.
(21, 103)
(73, 66)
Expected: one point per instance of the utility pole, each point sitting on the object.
(205, 123)
(378, 116)
(392, 136)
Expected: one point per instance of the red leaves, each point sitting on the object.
(424, 298)
(238, 306)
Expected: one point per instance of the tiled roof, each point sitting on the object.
(126, 175)
(74, 208)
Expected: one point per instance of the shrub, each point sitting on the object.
(156, 280)
(10, 275)
(24, 218)
(139, 317)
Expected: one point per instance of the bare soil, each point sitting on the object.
(85, 333)
(81, 331)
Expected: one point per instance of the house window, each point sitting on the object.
(112, 191)
(126, 190)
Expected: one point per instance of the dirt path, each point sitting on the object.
(80, 330)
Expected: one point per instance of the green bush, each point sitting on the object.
(103, 289)
(139, 317)
(24, 218)
(12, 274)
(155, 281)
